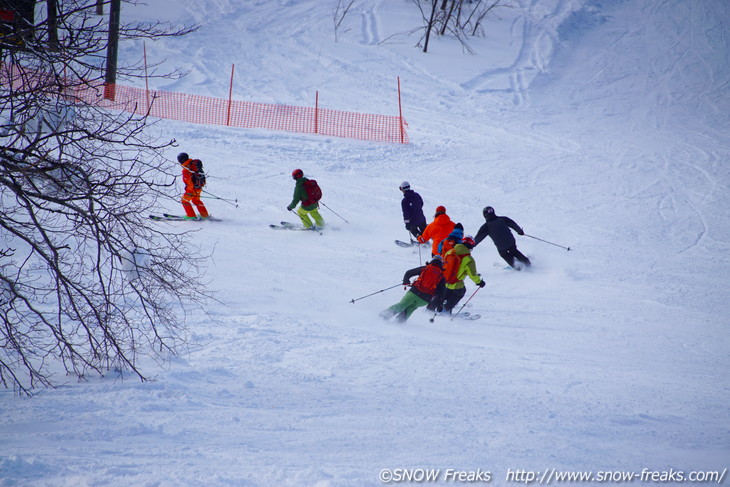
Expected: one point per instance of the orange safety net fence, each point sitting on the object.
(217, 111)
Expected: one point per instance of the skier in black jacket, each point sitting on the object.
(412, 206)
(498, 229)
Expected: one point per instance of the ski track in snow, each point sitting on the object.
(602, 127)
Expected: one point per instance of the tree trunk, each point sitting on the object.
(429, 25)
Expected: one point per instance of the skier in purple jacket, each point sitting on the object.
(412, 206)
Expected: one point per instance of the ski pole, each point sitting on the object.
(376, 292)
(541, 240)
(333, 211)
(452, 318)
(431, 320)
(211, 195)
(410, 236)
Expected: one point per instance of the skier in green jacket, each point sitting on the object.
(308, 206)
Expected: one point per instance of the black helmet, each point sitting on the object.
(297, 173)
(182, 157)
(488, 211)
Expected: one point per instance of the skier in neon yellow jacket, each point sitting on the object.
(458, 264)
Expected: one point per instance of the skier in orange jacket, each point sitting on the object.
(437, 230)
(192, 194)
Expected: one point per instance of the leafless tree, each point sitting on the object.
(88, 283)
(339, 13)
(459, 18)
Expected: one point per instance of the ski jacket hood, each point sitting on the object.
(452, 239)
(456, 234)
(461, 249)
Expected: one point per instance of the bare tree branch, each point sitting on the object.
(87, 282)
(460, 18)
(339, 13)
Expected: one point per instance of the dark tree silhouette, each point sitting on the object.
(460, 18)
(87, 282)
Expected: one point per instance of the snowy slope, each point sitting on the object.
(598, 125)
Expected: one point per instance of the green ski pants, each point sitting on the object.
(405, 308)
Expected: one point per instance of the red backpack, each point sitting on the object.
(452, 262)
(429, 279)
(314, 192)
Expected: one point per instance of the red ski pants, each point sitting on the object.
(193, 195)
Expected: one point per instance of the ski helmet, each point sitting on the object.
(182, 157)
(297, 173)
(468, 242)
(404, 186)
(440, 210)
(488, 211)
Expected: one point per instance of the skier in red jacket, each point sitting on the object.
(437, 230)
(429, 285)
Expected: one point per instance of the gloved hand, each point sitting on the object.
(520, 232)
(482, 283)
(439, 309)
(408, 227)
(406, 283)
(288, 208)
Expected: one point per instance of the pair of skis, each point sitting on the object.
(179, 218)
(412, 243)
(295, 226)
(465, 315)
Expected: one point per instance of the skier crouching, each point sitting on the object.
(458, 264)
(429, 284)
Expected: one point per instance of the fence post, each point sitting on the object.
(400, 111)
(316, 112)
(110, 91)
(230, 95)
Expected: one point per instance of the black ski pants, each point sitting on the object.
(416, 230)
(511, 253)
(452, 297)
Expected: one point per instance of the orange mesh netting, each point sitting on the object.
(233, 113)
